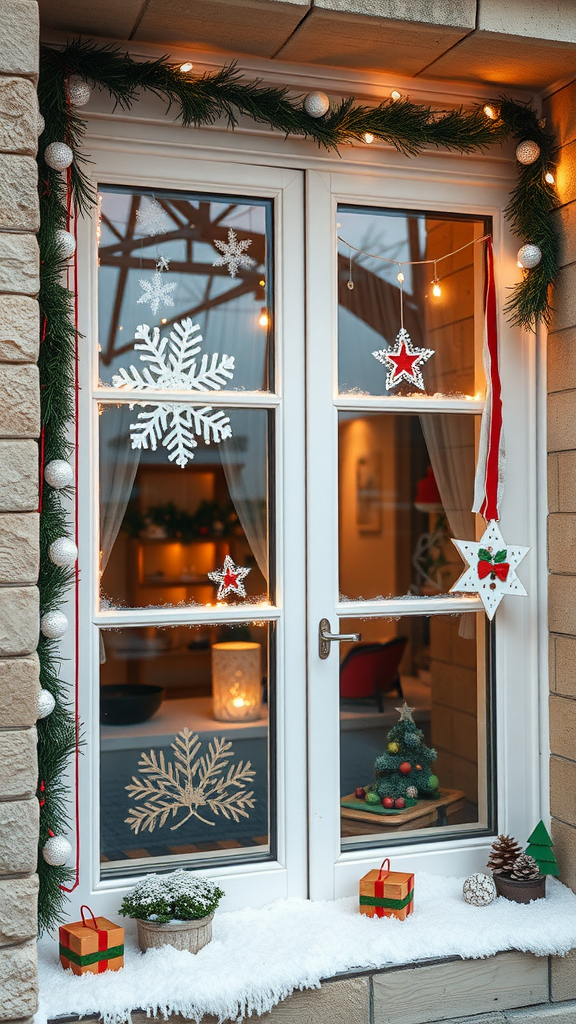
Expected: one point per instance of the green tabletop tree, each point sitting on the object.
(405, 769)
(540, 848)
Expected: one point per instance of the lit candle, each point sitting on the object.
(236, 682)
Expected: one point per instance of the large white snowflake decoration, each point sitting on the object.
(229, 579)
(491, 571)
(151, 218)
(233, 253)
(172, 366)
(155, 292)
(403, 361)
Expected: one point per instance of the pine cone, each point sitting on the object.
(525, 867)
(503, 855)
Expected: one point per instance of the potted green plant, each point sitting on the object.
(173, 910)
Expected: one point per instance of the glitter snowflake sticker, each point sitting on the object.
(234, 253)
(156, 293)
(229, 579)
(151, 218)
(403, 361)
(170, 364)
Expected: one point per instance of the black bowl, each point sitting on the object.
(128, 704)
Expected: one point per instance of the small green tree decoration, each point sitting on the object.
(406, 768)
(540, 848)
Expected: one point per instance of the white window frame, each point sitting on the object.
(146, 149)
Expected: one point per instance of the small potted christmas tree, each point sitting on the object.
(404, 772)
(540, 848)
(173, 910)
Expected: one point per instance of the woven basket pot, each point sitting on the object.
(521, 890)
(190, 935)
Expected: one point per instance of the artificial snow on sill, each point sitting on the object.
(258, 957)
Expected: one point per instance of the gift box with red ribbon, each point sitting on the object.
(91, 946)
(386, 893)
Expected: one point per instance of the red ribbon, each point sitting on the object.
(489, 507)
(102, 936)
(500, 569)
(379, 886)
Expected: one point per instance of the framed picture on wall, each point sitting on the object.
(368, 493)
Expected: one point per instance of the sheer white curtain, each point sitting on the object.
(118, 466)
(245, 462)
(450, 443)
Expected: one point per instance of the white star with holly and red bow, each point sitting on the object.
(491, 571)
(229, 578)
(403, 361)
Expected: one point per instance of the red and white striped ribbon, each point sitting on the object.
(490, 470)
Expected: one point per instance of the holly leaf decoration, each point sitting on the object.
(484, 555)
(501, 556)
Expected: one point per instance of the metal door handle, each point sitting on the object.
(325, 638)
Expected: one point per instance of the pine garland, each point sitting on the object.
(197, 101)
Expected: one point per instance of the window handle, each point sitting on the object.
(325, 638)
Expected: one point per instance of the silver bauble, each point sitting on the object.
(53, 625)
(78, 90)
(40, 124)
(529, 256)
(63, 551)
(479, 890)
(56, 851)
(46, 704)
(527, 152)
(58, 156)
(58, 473)
(316, 104)
(66, 243)
(412, 792)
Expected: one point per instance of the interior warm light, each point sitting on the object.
(368, 137)
(120, 328)
(400, 277)
(490, 112)
(164, 320)
(236, 681)
(262, 283)
(436, 289)
(549, 177)
(187, 66)
(395, 95)
(263, 319)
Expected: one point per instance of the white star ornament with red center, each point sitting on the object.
(403, 361)
(229, 578)
(491, 571)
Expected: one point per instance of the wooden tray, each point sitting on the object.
(425, 813)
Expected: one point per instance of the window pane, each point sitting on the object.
(369, 313)
(163, 528)
(406, 486)
(179, 694)
(156, 266)
(438, 665)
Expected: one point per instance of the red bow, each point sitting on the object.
(500, 569)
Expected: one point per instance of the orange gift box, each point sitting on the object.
(92, 947)
(385, 893)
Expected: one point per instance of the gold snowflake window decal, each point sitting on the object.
(192, 782)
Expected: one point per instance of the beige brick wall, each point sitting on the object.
(19, 549)
(561, 113)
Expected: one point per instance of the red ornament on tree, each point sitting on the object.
(405, 767)
(387, 801)
(400, 802)
(360, 793)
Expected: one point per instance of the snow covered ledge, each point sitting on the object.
(260, 957)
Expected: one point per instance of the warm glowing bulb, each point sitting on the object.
(187, 66)
(164, 320)
(120, 328)
(436, 290)
(400, 277)
(395, 95)
(239, 702)
(549, 177)
(262, 283)
(263, 319)
(368, 137)
(490, 112)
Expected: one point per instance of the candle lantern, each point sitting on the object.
(236, 682)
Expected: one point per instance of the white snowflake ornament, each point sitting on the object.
(403, 361)
(156, 293)
(234, 253)
(491, 571)
(172, 366)
(163, 262)
(229, 578)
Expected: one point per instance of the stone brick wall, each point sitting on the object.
(19, 548)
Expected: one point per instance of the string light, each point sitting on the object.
(436, 289)
(186, 67)
(490, 112)
(164, 320)
(395, 95)
(400, 277)
(368, 138)
(549, 178)
(263, 319)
